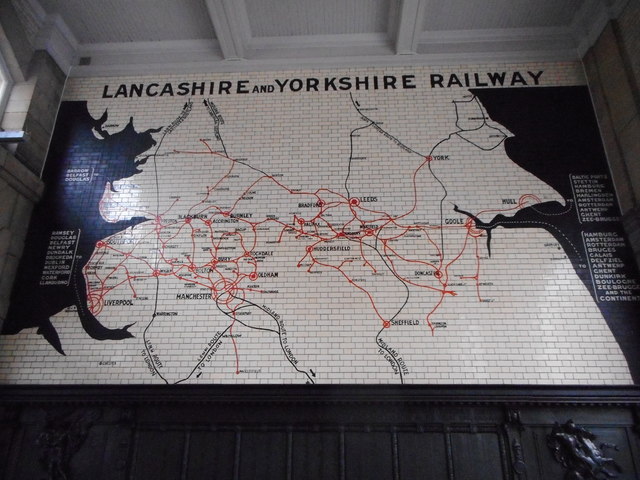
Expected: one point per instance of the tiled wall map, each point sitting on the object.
(397, 225)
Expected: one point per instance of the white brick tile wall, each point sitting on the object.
(525, 319)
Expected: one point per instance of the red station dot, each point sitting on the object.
(309, 249)
(301, 221)
(354, 202)
(386, 324)
(438, 274)
(253, 276)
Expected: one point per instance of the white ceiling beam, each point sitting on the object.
(48, 32)
(231, 24)
(139, 67)
(410, 22)
(591, 19)
(320, 46)
(58, 40)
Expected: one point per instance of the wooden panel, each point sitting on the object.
(422, 455)
(368, 455)
(159, 455)
(211, 455)
(621, 453)
(88, 461)
(6, 434)
(471, 450)
(26, 461)
(116, 455)
(263, 455)
(545, 465)
(217, 434)
(316, 455)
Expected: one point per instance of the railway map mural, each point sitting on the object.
(405, 225)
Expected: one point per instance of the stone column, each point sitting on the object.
(32, 107)
(612, 67)
(20, 189)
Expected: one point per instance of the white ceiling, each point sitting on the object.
(317, 17)
(499, 14)
(110, 21)
(112, 37)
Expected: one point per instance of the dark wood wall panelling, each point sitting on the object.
(319, 432)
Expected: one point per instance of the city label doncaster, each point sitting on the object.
(313, 84)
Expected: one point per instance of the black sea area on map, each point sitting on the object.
(555, 136)
(71, 204)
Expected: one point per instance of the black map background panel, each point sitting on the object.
(555, 137)
(555, 131)
(72, 210)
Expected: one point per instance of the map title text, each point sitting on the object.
(325, 84)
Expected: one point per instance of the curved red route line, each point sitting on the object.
(225, 278)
